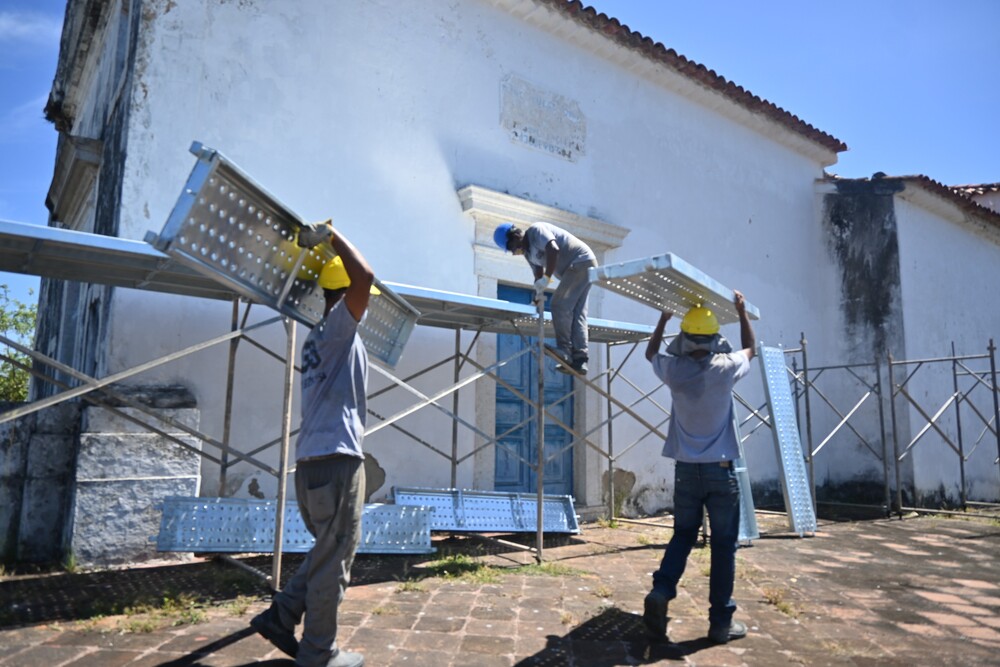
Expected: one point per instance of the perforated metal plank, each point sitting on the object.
(229, 228)
(238, 525)
(491, 511)
(667, 282)
(453, 310)
(795, 482)
(65, 254)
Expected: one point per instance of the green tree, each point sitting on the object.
(17, 322)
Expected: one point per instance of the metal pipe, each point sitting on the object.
(286, 428)
(895, 438)
(809, 435)
(611, 441)
(540, 416)
(454, 410)
(881, 423)
(227, 417)
(958, 427)
(996, 395)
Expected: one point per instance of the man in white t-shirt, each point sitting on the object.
(329, 474)
(700, 369)
(552, 251)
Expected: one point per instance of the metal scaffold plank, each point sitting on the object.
(238, 525)
(668, 283)
(791, 465)
(491, 511)
(230, 229)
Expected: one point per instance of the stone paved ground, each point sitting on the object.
(917, 591)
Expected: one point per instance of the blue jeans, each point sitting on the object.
(708, 485)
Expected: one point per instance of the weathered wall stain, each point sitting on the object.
(860, 223)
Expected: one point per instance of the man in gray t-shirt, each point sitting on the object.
(329, 472)
(700, 369)
(552, 251)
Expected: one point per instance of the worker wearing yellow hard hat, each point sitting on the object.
(700, 369)
(329, 460)
(334, 276)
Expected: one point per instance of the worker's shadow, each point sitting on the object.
(204, 655)
(613, 637)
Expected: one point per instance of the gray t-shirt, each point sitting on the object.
(334, 386)
(571, 249)
(701, 426)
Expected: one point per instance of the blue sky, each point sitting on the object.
(909, 85)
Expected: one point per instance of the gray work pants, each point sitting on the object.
(569, 310)
(331, 494)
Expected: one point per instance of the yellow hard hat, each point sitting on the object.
(700, 321)
(334, 276)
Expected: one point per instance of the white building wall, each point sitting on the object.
(375, 113)
(950, 267)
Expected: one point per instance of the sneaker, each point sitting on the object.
(576, 368)
(267, 626)
(721, 634)
(311, 236)
(559, 353)
(346, 659)
(654, 615)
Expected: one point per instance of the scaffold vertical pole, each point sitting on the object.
(996, 396)
(895, 439)
(454, 409)
(540, 425)
(611, 441)
(809, 431)
(286, 430)
(885, 445)
(227, 418)
(958, 427)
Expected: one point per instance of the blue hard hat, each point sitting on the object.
(500, 234)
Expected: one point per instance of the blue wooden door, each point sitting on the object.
(512, 474)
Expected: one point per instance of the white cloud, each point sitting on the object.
(30, 27)
(24, 118)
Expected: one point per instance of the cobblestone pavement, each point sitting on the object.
(916, 591)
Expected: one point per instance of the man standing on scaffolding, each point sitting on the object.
(552, 251)
(700, 369)
(329, 474)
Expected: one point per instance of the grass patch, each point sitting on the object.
(643, 539)
(608, 523)
(388, 610)
(603, 592)
(547, 570)
(240, 605)
(776, 597)
(410, 586)
(464, 568)
(169, 611)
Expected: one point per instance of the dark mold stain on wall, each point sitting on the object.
(860, 223)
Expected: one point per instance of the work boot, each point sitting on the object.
(311, 236)
(267, 626)
(346, 659)
(721, 634)
(654, 615)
